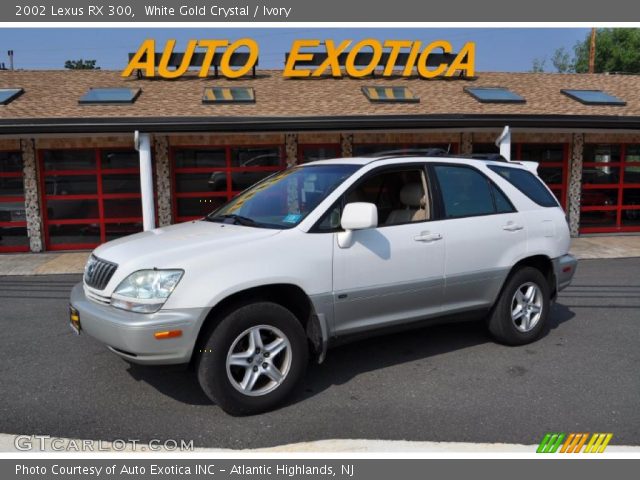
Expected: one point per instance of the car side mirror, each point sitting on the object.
(356, 216)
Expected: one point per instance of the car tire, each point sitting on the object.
(272, 342)
(521, 313)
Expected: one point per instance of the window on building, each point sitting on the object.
(110, 95)
(527, 183)
(204, 178)
(494, 95)
(313, 152)
(593, 97)
(610, 199)
(390, 94)
(13, 221)
(228, 95)
(90, 196)
(8, 95)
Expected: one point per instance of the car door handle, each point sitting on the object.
(427, 237)
(512, 227)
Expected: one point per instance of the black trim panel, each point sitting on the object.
(277, 124)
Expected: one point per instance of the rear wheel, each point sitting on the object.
(253, 359)
(521, 312)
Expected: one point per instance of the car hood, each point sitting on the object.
(177, 245)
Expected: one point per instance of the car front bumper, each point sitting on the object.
(564, 268)
(131, 335)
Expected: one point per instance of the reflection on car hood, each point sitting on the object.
(173, 246)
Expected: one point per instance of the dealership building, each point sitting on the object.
(70, 173)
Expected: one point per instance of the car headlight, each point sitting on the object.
(145, 291)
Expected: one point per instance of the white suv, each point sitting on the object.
(326, 252)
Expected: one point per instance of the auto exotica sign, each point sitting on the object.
(308, 58)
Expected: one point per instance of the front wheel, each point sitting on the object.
(521, 312)
(253, 359)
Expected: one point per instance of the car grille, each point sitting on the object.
(98, 272)
(101, 299)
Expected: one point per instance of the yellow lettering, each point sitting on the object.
(395, 46)
(464, 61)
(147, 50)
(211, 46)
(296, 56)
(332, 60)
(163, 66)
(225, 67)
(411, 61)
(423, 69)
(350, 66)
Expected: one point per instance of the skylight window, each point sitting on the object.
(7, 95)
(390, 94)
(593, 97)
(494, 95)
(110, 95)
(228, 95)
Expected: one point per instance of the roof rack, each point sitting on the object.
(409, 152)
(489, 157)
(437, 152)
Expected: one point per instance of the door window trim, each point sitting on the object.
(374, 171)
(439, 200)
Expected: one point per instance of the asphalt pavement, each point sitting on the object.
(447, 383)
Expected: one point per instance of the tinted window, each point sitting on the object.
(503, 205)
(465, 192)
(284, 199)
(528, 184)
(10, 162)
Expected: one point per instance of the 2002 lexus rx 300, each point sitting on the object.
(324, 252)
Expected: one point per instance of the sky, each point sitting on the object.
(497, 49)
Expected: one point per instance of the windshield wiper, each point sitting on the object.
(238, 219)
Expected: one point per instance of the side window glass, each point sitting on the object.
(465, 192)
(528, 184)
(330, 222)
(400, 196)
(503, 205)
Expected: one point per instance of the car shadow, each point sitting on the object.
(177, 382)
(347, 361)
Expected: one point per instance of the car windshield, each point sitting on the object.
(284, 199)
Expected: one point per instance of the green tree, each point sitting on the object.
(81, 64)
(562, 61)
(617, 50)
(537, 65)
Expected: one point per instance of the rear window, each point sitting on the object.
(528, 184)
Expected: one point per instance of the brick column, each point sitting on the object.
(32, 195)
(291, 149)
(466, 143)
(575, 183)
(346, 142)
(163, 180)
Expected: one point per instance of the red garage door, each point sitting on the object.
(206, 177)
(610, 199)
(13, 224)
(89, 196)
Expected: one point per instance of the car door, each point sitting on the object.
(483, 234)
(393, 273)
